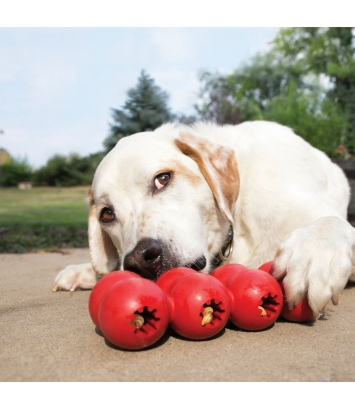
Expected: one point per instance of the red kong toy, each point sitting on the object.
(267, 267)
(226, 272)
(101, 288)
(133, 312)
(200, 305)
(302, 312)
(256, 297)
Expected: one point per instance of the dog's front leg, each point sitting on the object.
(75, 276)
(317, 261)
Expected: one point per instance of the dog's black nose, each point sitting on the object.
(145, 259)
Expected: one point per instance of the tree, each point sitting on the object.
(14, 171)
(310, 115)
(72, 170)
(245, 94)
(256, 83)
(328, 51)
(275, 87)
(217, 103)
(4, 156)
(145, 109)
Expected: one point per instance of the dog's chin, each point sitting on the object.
(196, 265)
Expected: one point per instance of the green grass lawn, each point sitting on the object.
(42, 218)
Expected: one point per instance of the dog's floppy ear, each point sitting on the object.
(218, 166)
(103, 253)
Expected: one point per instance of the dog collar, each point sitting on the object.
(226, 250)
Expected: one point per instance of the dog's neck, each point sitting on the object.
(225, 251)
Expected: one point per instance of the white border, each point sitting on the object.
(183, 13)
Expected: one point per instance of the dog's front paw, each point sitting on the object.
(75, 276)
(316, 261)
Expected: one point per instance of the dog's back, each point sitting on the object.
(285, 183)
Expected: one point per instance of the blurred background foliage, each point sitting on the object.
(306, 80)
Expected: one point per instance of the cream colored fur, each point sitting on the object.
(286, 200)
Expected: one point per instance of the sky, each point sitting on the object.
(62, 70)
(58, 85)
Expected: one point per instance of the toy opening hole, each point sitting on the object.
(144, 320)
(269, 303)
(211, 312)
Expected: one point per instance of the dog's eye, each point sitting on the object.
(162, 180)
(107, 215)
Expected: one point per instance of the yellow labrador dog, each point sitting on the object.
(207, 195)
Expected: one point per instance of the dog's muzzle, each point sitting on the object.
(145, 259)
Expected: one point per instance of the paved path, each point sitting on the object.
(47, 336)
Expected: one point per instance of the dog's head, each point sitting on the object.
(160, 200)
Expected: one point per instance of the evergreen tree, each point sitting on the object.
(145, 109)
